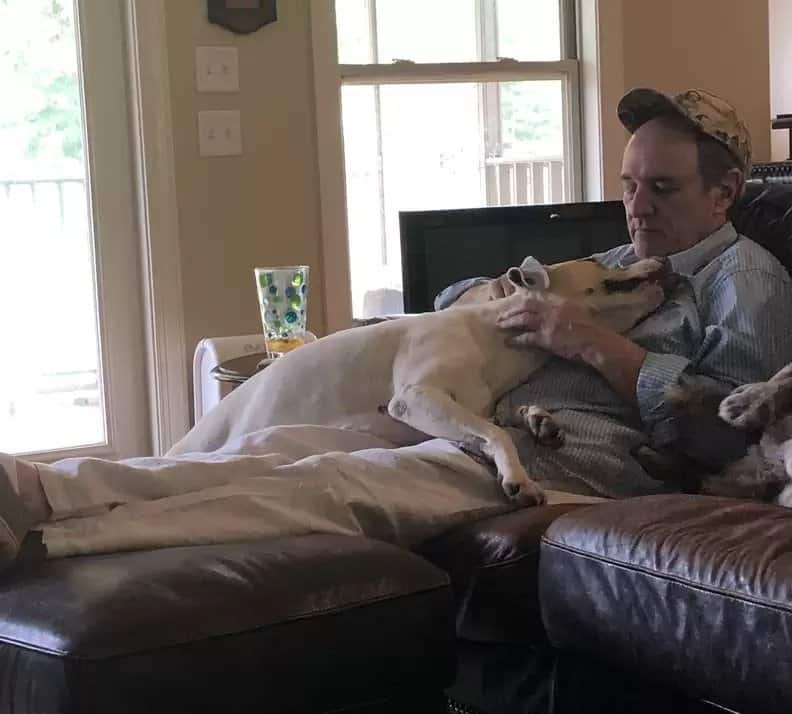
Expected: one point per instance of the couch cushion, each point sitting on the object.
(293, 624)
(765, 214)
(493, 566)
(693, 591)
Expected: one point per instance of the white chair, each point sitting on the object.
(211, 351)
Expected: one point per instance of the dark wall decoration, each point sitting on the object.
(242, 16)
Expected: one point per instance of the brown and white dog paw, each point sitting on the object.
(523, 491)
(541, 425)
(752, 406)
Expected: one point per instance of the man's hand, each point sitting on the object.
(570, 330)
(561, 326)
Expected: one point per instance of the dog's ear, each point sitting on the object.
(531, 274)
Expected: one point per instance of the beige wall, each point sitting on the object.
(780, 71)
(263, 208)
(719, 45)
(258, 209)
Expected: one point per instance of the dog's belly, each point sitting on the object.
(341, 380)
(353, 396)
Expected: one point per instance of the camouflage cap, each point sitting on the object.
(710, 114)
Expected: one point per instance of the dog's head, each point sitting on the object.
(619, 296)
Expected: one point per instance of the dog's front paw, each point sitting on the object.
(524, 491)
(542, 426)
(751, 406)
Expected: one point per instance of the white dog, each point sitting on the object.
(435, 374)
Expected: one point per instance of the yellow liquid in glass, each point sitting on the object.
(285, 345)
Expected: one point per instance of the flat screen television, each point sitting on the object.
(443, 246)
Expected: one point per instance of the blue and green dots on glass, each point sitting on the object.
(283, 299)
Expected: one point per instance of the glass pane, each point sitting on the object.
(529, 30)
(434, 146)
(530, 120)
(447, 30)
(50, 377)
(421, 31)
(352, 27)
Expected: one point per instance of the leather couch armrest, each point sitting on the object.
(493, 565)
(691, 591)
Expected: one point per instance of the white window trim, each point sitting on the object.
(150, 136)
(329, 76)
(332, 178)
(502, 71)
(158, 222)
(600, 38)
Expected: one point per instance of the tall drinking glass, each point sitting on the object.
(283, 301)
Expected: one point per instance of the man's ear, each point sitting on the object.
(730, 189)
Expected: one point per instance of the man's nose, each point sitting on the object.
(641, 204)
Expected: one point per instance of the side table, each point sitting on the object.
(238, 370)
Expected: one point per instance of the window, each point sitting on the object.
(72, 360)
(449, 104)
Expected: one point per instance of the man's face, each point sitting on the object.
(668, 208)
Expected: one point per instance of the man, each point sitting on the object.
(683, 168)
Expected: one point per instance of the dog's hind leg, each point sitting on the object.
(757, 406)
(435, 413)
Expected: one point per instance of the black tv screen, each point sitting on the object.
(443, 246)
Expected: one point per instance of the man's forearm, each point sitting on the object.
(618, 359)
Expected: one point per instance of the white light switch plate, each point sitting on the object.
(217, 69)
(219, 133)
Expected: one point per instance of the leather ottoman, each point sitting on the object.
(692, 593)
(294, 625)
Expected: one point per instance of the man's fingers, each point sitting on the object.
(511, 312)
(519, 320)
(525, 339)
(528, 302)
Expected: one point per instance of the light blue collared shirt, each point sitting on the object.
(727, 324)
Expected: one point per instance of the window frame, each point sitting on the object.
(135, 215)
(99, 28)
(329, 78)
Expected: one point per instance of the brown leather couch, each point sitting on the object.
(659, 604)
(643, 605)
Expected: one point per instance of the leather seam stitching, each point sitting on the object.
(732, 595)
(287, 620)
